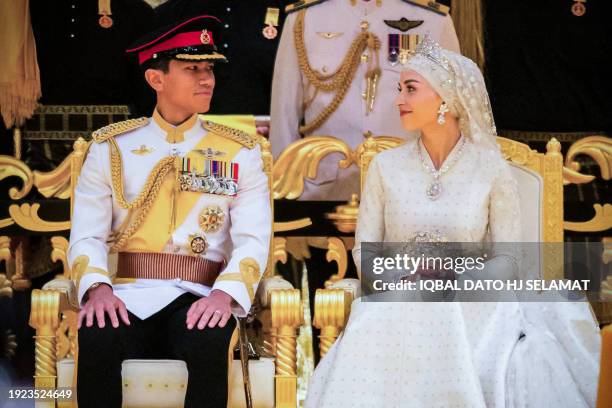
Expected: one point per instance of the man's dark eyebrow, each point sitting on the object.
(408, 81)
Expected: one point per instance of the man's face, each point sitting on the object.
(188, 85)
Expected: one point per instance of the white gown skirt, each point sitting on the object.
(460, 355)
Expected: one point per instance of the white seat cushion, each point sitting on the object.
(163, 383)
(154, 383)
(146, 383)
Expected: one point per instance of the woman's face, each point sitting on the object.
(417, 101)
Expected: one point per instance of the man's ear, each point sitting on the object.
(155, 79)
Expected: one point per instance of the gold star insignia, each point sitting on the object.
(198, 244)
(211, 218)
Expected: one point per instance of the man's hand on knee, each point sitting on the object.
(212, 310)
(100, 301)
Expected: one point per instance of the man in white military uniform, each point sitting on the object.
(337, 70)
(185, 204)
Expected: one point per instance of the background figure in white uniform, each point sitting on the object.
(381, 33)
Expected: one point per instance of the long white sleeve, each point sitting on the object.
(92, 219)
(250, 231)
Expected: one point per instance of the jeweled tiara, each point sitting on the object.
(431, 50)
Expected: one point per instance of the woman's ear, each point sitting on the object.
(155, 79)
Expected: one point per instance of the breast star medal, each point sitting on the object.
(271, 21)
(578, 8)
(198, 244)
(211, 218)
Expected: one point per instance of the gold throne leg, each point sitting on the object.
(45, 318)
(287, 316)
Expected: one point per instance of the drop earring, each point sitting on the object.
(441, 111)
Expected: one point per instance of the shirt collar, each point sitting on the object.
(365, 9)
(175, 134)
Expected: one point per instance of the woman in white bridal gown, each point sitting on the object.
(452, 183)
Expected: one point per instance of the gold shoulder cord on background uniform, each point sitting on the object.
(340, 80)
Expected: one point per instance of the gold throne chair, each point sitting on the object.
(162, 383)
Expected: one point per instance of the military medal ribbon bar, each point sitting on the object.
(401, 47)
(209, 176)
(393, 56)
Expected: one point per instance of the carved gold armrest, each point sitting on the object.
(332, 309)
(67, 288)
(267, 285)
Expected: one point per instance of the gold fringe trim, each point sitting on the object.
(469, 21)
(18, 101)
(19, 72)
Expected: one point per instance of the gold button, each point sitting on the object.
(364, 25)
(324, 69)
(364, 57)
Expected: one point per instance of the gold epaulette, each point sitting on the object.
(118, 128)
(302, 4)
(231, 133)
(430, 5)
